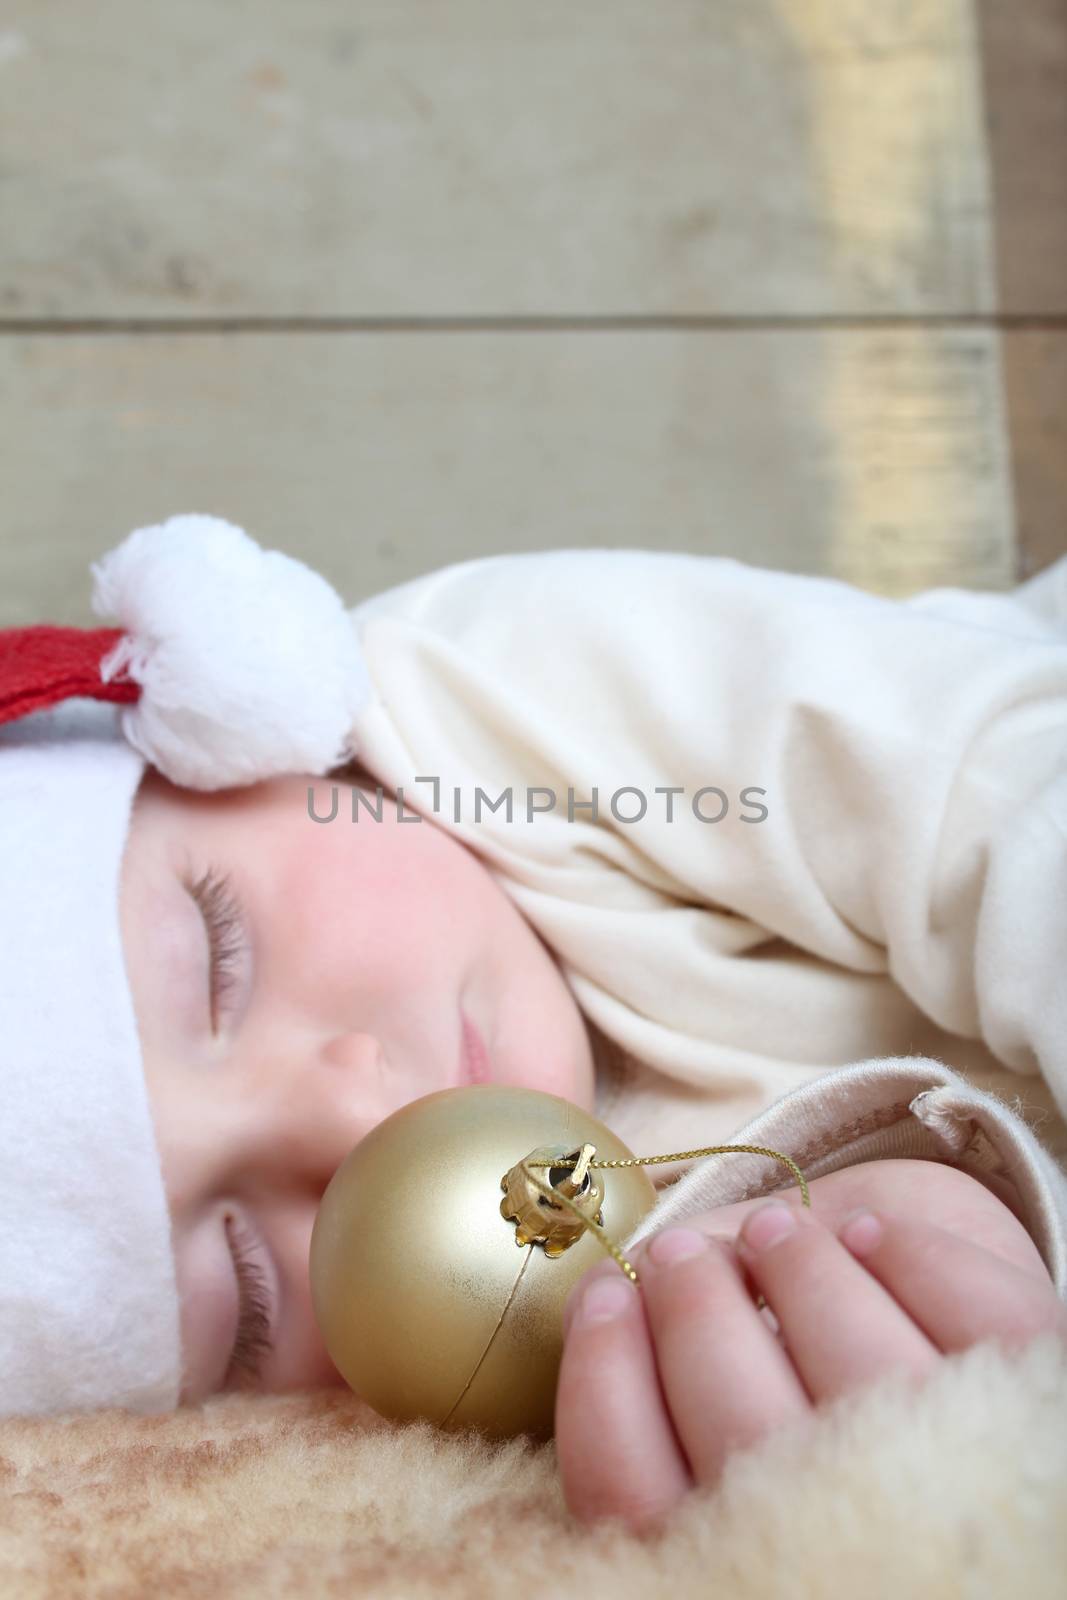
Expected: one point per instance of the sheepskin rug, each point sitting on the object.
(957, 1488)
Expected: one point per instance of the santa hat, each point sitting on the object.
(229, 664)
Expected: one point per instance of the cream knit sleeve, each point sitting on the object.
(896, 1107)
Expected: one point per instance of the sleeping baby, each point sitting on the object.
(721, 854)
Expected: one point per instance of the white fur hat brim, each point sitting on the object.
(89, 1307)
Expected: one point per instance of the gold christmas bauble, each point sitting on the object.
(437, 1282)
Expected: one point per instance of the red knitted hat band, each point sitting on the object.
(45, 664)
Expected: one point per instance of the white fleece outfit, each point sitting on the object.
(875, 963)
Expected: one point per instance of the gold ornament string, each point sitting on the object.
(555, 1195)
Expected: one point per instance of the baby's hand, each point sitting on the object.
(658, 1384)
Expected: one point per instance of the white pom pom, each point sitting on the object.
(248, 663)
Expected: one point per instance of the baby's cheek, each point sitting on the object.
(344, 897)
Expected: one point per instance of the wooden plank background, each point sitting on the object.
(1024, 58)
(393, 285)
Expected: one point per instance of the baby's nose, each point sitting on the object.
(354, 1084)
(359, 1055)
(364, 1080)
(332, 1100)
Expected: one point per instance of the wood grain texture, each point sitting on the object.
(1035, 382)
(1024, 68)
(805, 181)
(400, 157)
(872, 455)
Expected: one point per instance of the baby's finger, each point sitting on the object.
(615, 1446)
(727, 1379)
(956, 1291)
(841, 1328)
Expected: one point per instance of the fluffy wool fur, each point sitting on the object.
(956, 1488)
(247, 662)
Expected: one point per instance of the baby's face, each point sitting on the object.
(353, 955)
